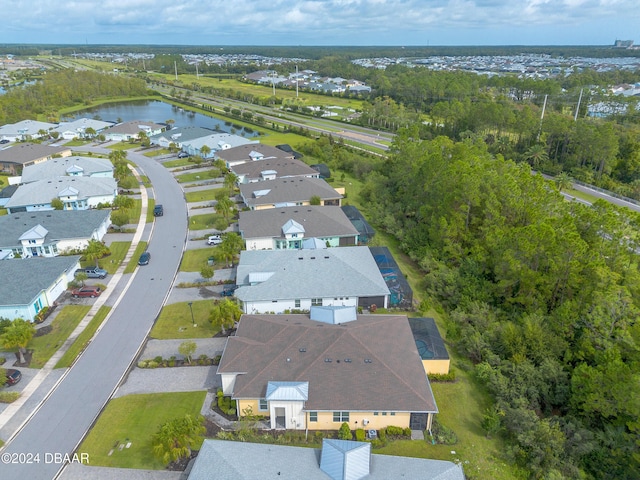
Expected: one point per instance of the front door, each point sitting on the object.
(280, 418)
(418, 421)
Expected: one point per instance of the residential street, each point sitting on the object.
(66, 415)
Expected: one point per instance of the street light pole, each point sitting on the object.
(191, 310)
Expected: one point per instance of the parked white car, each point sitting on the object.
(214, 240)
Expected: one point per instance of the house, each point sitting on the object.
(342, 459)
(28, 285)
(272, 168)
(178, 136)
(251, 153)
(281, 280)
(25, 130)
(316, 371)
(123, 132)
(76, 193)
(50, 233)
(214, 143)
(74, 166)
(431, 347)
(288, 227)
(78, 128)
(14, 159)
(287, 192)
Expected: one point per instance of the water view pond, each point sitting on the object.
(158, 112)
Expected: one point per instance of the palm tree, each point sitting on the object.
(224, 314)
(230, 180)
(205, 150)
(536, 155)
(174, 439)
(95, 251)
(223, 207)
(18, 335)
(563, 181)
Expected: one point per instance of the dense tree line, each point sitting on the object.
(542, 296)
(65, 88)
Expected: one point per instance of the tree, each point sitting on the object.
(57, 204)
(563, 181)
(205, 150)
(119, 218)
(345, 432)
(230, 180)
(90, 132)
(175, 438)
(95, 251)
(81, 277)
(231, 245)
(315, 200)
(536, 155)
(123, 201)
(18, 335)
(224, 207)
(206, 272)
(224, 314)
(187, 349)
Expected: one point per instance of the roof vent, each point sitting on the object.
(327, 360)
(367, 360)
(347, 360)
(302, 350)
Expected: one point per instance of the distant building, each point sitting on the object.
(126, 131)
(178, 136)
(78, 128)
(14, 159)
(25, 130)
(74, 166)
(623, 44)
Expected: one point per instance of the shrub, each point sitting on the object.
(216, 359)
(152, 364)
(345, 432)
(158, 359)
(9, 397)
(394, 431)
(143, 364)
(407, 432)
(2, 360)
(318, 436)
(443, 377)
(377, 443)
(442, 434)
(360, 435)
(382, 435)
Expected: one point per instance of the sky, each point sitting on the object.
(320, 22)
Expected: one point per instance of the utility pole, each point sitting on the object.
(575, 117)
(175, 66)
(297, 81)
(197, 75)
(544, 106)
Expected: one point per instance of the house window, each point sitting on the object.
(393, 414)
(262, 405)
(316, 302)
(313, 416)
(375, 414)
(296, 303)
(340, 417)
(384, 414)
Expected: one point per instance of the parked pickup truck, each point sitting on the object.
(92, 272)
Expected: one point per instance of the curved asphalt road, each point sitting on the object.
(64, 418)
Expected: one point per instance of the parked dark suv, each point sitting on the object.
(158, 211)
(13, 376)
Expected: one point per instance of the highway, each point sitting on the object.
(61, 422)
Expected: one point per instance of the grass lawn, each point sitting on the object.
(123, 146)
(78, 142)
(202, 222)
(83, 339)
(209, 174)
(272, 139)
(157, 152)
(65, 322)
(3, 211)
(194, 260)
(181, 162)
(581, 195)
(175, 321)
(133, 263)
(201, 195)
(151, 203)
(113, 261)
(134, 419)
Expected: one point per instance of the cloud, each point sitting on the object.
(345, 22)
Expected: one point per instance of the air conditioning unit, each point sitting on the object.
(371, 434)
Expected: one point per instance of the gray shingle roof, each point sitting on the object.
(61, 224)
(59, 167)
(225, 460)
(132, 127)
(42, 191)
(287, 190)
(215, 141)
(242, 152)
(317, 221)
(22, 153)
(268, 347)
(334, 272)
(22, 280)
(282, 168)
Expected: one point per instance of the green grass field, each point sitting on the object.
(65, 322)
(133, 420)
(203, 222)
(82, 340)
(113, 261)
(209, 174)
(201, 195)
(194, 260)
(181, 162)
(175, 321)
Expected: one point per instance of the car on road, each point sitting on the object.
(158, 211)
(183, 155)
(86, 291)
(144, 258)
(92, 272)
(214, 240)
(13, 376)
(2, 142)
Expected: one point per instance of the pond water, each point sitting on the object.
(158, 112)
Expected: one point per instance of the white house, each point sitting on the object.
(178, 136)
(76, 193)
(28, 285)
(279, 280)
(25, 130)
(214, 143)
(50, 233)
(78, 128)
(75, 166)
(123, 132)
